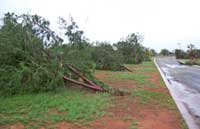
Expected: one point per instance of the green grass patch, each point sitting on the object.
(183, 124)
(145, 70)
(145, 64)
(187, 62)
(140, 79)
(139, 74)
(148, 64)
(145, 67)
(134, 125)
(156, 97)
(69, 105)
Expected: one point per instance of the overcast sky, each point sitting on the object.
(163, 23)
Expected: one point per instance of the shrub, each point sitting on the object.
(106, 58)
(180, 54)
(131, 49)
(28, 64)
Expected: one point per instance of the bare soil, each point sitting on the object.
(126, 112)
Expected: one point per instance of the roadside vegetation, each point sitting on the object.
(148, 95)
(35, 60)
(165, 52)
(189, 57)
(33, 56)
(69, 105)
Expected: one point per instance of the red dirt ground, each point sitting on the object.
(14, 126)
(126, 110)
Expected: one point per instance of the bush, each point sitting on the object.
(80, 58)
(165, 52)
(180, 54)
(33, 57)
(28, 64)
(27, 70)
(106, 58)
(131, 50)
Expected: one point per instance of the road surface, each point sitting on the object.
(185, 84)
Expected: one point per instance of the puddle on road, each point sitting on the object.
(175, 66)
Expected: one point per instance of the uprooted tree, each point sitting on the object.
(26, 62)
(33, 57)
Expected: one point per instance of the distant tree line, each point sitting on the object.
(191, 52)
(166, 52)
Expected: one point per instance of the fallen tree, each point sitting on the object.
(78, 73)
(96, 88)
(32, 56)
(88, 83)
(125, 68)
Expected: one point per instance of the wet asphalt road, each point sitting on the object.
(188, 75)
(184, 87)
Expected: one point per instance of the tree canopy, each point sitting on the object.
(33, 56)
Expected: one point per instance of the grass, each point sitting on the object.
(183, 124)
(139, 74)
(145, 67)
(53, 107)
(198, 61)
(141, 79)
(155, 97)
(143, 64)
(44, 109)
(149, 91)
(134, 125)
(187, 61)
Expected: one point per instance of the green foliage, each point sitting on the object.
(106, 58)
(80, 58)
(141, 79)
(165, 52)
(131, 49)
(53, 107)
(196, 62)
(153, 52)
(180, 54)
(33, 57)
(192, 53)
(147, 54)
(134, 125)
(26, 65)
(126, 49)
(155, 97)
(71, 30)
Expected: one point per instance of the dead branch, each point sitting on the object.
(124, 67)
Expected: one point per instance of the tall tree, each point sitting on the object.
(74, 34)
(136, 38)
(131, 48)
(192, 53)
